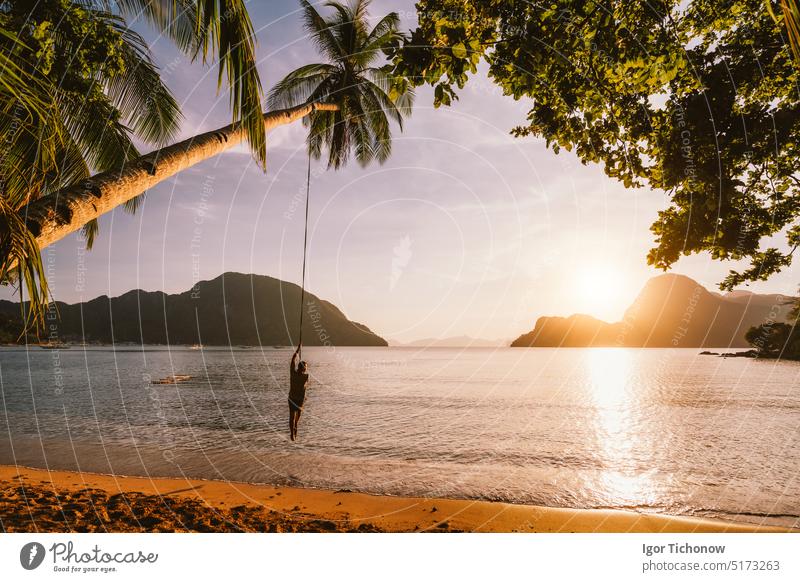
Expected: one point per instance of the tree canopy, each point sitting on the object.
(699, 100)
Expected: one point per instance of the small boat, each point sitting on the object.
(174, 379)
(196, 347)
(54, 346)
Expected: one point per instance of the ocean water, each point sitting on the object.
(652, 430)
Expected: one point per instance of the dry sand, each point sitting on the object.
(63, 501)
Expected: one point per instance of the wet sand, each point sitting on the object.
(35, 500)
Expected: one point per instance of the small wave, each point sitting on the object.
(768, 515)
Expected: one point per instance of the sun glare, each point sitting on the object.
(601, 290)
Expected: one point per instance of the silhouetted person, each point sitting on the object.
(298, 378)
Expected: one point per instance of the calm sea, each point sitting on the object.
(651, 430)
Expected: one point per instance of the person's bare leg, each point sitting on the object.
(291, 423)
(297, 421)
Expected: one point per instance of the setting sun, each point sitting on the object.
(602, 290)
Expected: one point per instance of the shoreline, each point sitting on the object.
(64, 501)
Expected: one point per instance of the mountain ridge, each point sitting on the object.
(230, 309)
(671, 311)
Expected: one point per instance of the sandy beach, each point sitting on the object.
(63, 501)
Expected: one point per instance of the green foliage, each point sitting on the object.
(95, 85)
(776, 340)
(699, 100)
(23, 98)
(367, 96)
(77, 84)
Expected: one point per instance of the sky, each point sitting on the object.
(465, 230)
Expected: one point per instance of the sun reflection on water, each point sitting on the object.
(617, 414)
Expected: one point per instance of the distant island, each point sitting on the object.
(671, 311)
(232, 309)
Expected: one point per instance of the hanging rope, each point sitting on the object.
(305, 253)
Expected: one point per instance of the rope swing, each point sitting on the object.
(305, 254)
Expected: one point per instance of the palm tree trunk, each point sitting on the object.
(53, 217)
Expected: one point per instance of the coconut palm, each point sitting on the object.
(104, 89)
(76, 84)
(50, 215)
(366, 95)
(51, 218)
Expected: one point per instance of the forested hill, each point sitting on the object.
(233, 309)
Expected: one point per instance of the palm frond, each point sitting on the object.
(298, 86)
(19, 85)
(39, 160)
(791, 16)
(320, 131)
(339, 142)
(94, 125)
(221, 27)
(177, 19)
(133, 205)
(367, 97)
(140, 94)
(89, 233)
(321, 33)
(361, 135)
(384, 31)
(378, 123)
(398, 105)
(22, 262)
(59, 123)
(230, 32)
(345, 27)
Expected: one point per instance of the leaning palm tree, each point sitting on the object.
(104, 89)
(365, 96)
(49, 216)
(95, 87)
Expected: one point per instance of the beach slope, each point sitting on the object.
(63, 501)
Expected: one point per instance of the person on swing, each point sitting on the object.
(298, 378)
